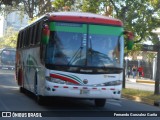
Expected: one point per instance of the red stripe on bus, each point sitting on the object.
(55, 86)
(63, 78)
(94, 88)
(112, 88)
(65, 87)
(75, 87)
(87, 20)
(103, 88)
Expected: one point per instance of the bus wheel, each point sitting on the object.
(22, 90)
(100, 102)
(35, 84)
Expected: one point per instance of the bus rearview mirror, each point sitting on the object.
(129, 36)
(45, 34)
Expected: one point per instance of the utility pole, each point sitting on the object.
(155, 48)
(124, 79)
(157, 80)
(124, 71)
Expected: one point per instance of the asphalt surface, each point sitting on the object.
(12, 100)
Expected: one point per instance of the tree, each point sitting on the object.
(139, 16)
(63, 5)
(33, 8)
(9, 2)
(9, 40)
(36, 8)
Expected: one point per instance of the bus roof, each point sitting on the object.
(81, 17)
(84, 17)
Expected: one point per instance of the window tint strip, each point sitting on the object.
(109, 30)
(79, 28)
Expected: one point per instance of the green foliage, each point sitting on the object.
(63, 5)
(138, 16)
(33, 8)
(10, 39)
(137, 92)
(141, 93)
(92, 6)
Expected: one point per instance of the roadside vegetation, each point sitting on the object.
(141, 93)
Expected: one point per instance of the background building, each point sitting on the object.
(2, 26)
(15, 19)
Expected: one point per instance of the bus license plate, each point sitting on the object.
(84, 91)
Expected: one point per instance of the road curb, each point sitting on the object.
(136, 80)
(140, 99)
(145, 81)
(156, 103)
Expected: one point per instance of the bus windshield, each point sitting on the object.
(84, 45)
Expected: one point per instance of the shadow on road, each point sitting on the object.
(59, 103)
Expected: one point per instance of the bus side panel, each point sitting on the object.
(32, 70)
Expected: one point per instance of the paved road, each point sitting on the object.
(140, 86)
(12, 100)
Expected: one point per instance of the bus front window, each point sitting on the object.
(65, 48)
(83, 45)
(103, 51)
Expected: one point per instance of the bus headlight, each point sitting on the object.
(55, 80)
(58, 81)
(111, 83)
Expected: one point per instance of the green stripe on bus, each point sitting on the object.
(93, 29)
(45, 39)
(105, 30)
(81, 29)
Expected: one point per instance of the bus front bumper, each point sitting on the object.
(88, 92)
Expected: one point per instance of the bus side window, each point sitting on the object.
(18, 41)
(22, 40)
(27, 36)
(34, 35)
(25, 39)
(35, 32)
(30, 40)
(38, 32)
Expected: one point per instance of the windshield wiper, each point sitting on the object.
(92, 52)
(98, 57)
(75, 56)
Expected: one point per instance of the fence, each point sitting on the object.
(147, 67)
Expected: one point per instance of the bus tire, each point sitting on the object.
(20, 82)
(40, 99)
(35, 85)
(100, 102)
(22, 90)
(20, 77)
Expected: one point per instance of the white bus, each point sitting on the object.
(68, 54)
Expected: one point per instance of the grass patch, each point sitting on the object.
(141, 93)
